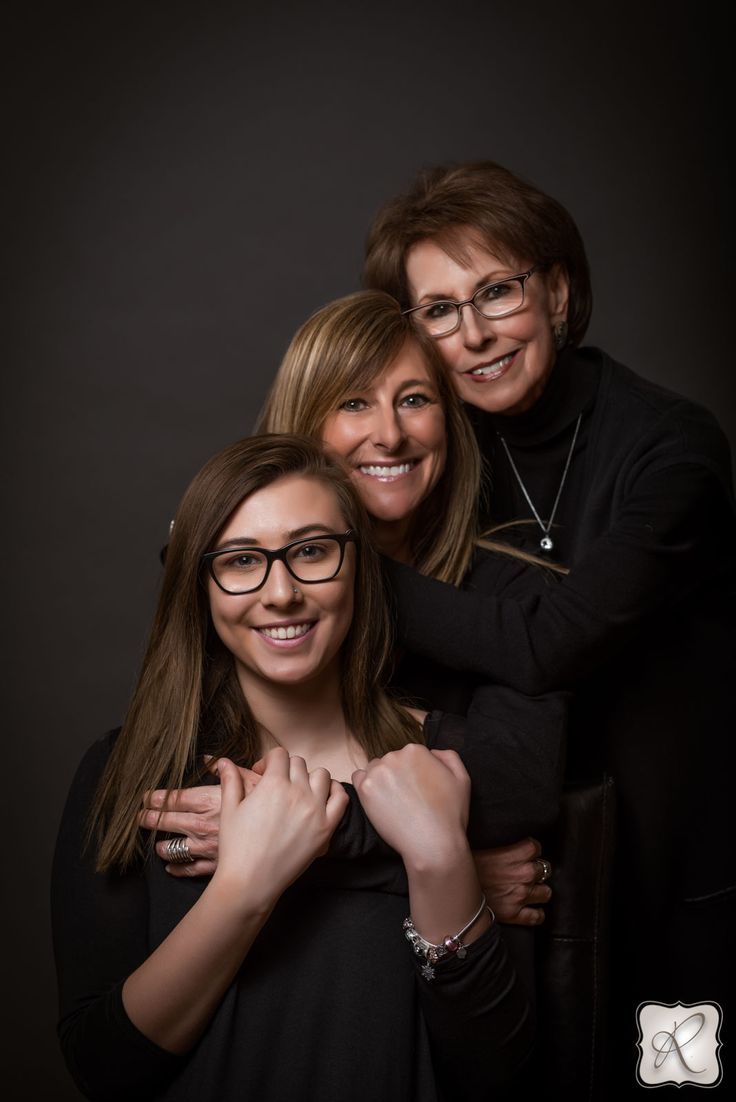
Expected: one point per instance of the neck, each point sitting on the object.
(307, 719)
(393, 538)
(570, 390)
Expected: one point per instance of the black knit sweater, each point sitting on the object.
(329, 1003)
(641, 627)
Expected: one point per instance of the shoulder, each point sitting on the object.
(444, 730)
(641, 412)
(98, 753)
(74, 824)
(94, 761)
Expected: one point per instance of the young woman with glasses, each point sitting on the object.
(294, 971)
(627, 484)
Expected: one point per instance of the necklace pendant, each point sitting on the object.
(546, 543)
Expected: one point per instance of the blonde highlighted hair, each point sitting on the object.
(341, 350)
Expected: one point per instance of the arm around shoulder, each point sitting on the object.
(671, 536)
(513, 747)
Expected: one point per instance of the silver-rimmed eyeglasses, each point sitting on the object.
(309, 560)
(494, 300)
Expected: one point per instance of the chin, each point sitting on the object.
(486, 398)
(391, 516)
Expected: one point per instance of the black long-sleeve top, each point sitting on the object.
(329, 1002)
(641, 627)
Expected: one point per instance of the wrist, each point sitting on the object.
(451, 945)
(234, 898)
(438, 860)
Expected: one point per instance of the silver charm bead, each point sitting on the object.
(546, 543)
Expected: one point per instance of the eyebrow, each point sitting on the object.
(415, 382)
(368, 390)
(484, 281)
(295, 534)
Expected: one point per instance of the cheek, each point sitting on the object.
(339, 436)
(346, 615)
(434, 435)
(451, 349)
(542, 345)
(345, 598)
(538, 332)
(215, 611)
(224, 615)
(442, 457)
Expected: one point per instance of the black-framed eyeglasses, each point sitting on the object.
(494, 300)
(309, 560)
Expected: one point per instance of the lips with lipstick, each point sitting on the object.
(493, 370)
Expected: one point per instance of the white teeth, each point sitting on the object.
(491, 369)
(388, 472)
(291, 632)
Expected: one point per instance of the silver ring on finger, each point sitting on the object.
(177, 851)
(545, 869)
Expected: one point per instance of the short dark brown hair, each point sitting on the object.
(507, 214)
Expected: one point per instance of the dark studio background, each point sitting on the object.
(184, 188)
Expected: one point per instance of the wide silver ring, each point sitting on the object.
(177, 851)
(546, 868)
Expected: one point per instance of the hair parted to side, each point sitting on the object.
(188, 700)
(342, 349)
(507, 214)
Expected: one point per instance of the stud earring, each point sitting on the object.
(560, 335)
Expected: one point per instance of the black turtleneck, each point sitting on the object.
(640, 628)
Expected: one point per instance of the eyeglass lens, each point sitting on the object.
(493, 301)
(244, 568)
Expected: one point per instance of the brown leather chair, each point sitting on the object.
(573, 950)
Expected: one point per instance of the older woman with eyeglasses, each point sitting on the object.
(630, 486)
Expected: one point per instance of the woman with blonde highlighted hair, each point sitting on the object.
(340, 351)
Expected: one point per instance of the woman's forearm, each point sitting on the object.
(266, 842)
(171, 997)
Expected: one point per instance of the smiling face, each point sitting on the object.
(287, 632)
(500, 365)
(392, 436)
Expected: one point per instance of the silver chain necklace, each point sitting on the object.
(546, 542)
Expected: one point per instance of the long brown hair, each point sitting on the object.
(505, 212)
(188, 699)
(343, 348)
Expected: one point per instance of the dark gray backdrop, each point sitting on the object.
(185, 187)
